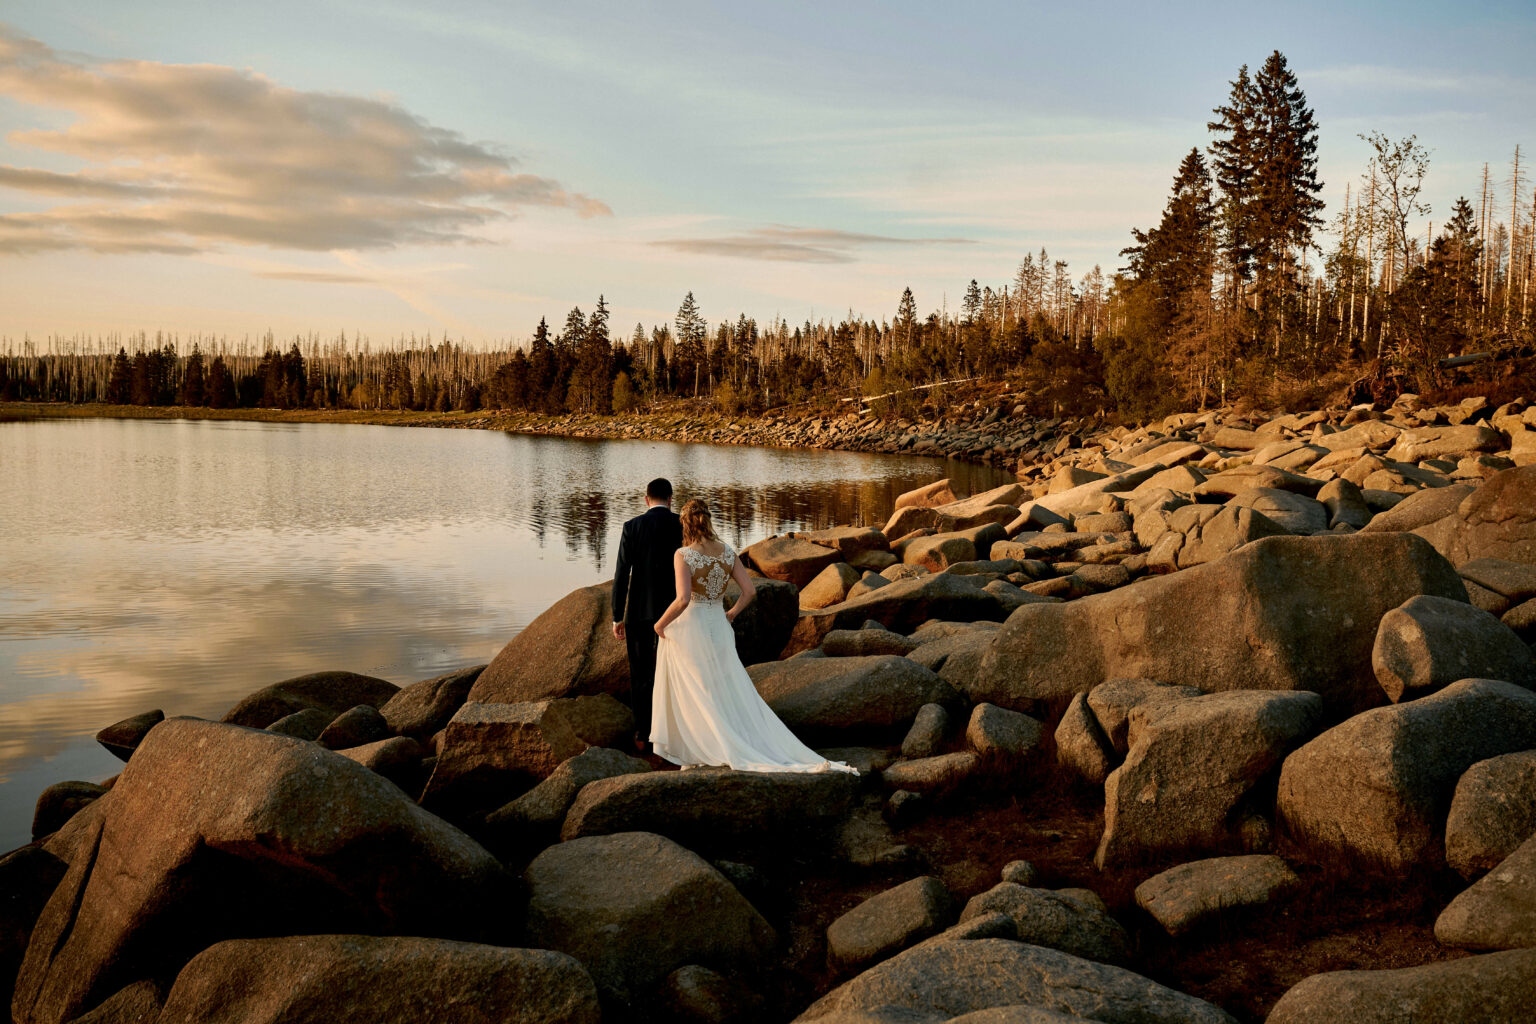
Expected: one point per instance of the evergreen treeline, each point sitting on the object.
(1220, 300)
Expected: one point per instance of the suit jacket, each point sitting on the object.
(643, 581)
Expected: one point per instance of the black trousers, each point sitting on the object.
(640, 639)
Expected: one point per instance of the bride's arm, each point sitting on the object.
(748, 590)
(683, 580)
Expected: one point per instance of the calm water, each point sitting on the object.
(181, 564)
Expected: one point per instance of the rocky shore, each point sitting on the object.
(1224, 718)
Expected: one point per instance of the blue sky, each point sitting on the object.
(393, 167)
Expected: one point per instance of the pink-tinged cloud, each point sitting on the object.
(795, 245)
(184, 157)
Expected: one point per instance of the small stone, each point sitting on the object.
(903, 807)
(1020, 872)
(362, 724)
(698, 995)
(932, 775)
(303, 725)
(926, 736)
(1191, 895)
(998, 734)
(1056, 920)
(888, 923)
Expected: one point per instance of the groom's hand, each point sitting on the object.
(618, 631)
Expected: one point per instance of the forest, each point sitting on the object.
(1241, 290)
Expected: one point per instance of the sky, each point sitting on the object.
(387, 168)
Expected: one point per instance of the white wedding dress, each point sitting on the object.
(705, 710)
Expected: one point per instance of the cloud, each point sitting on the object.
(315, 276)
(185, 157)
(795, 245)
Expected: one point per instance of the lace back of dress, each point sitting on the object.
(710, 573)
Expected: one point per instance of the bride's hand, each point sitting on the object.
(661, 631)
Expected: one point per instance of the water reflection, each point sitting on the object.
(180, 565)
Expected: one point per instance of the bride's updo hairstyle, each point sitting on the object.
(696, 525)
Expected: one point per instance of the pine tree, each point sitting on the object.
(221, 385)
(688, 355)
(543, 371)
(120, 382)
(1288, 205)
(1235, 154)
(906, 319)
(193, 388)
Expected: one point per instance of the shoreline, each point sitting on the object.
(985, 432)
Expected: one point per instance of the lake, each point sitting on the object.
(180, 564)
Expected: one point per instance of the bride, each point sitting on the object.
(705, 710)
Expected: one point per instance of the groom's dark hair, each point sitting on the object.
(659, 489)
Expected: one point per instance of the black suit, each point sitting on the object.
(643, 586)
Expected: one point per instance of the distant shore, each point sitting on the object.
(982, 432)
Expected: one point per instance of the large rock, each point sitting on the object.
(819, 697)
(27, 878)
(1081, 746)
(1375, 789)
(857, 643)
(1229, 483)
(369, 978)
(121, 738)
(940, 551)
(711, 808)
(1365, 434)
(139, 1003)
(1496, 988)
(214, 831)
(1056, 920)
(850, 541)
(1191, 764)
(1498, 911)
(903, 606)
(1193, 895)
(1297, 513)
(1492, 812)
(535, 817)
(491, 753)
(635, 906)
(1438, 442)
(1284, 613)
(1498, 520)
(888, 922)
(330, 692)
(1419, 509)
(353, 728)
(1001, 737)
(944, 978)
(764, 628)
(1208, 538)
(568, 651)
(1430, 642)
(829, 587)
(927, 496)
(790, 557)
(423, 708)
(932, 776)
(1111, 703)
(60, 802)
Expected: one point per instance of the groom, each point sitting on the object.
(643, 586)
